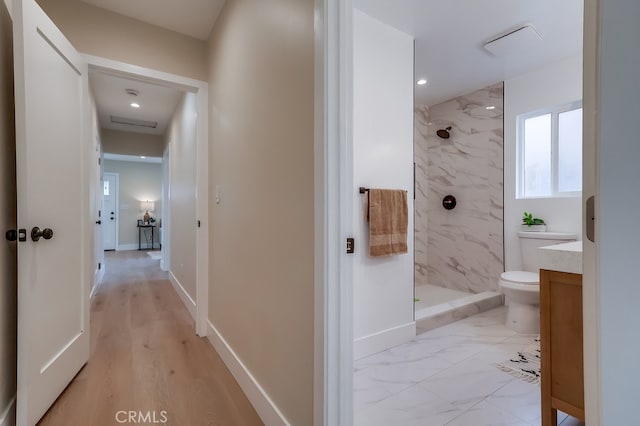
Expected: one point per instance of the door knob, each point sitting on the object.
(98, 222)
(37, 233)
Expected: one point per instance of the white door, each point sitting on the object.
(109, 211)
(53, 276)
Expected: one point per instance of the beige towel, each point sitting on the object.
(388, 216)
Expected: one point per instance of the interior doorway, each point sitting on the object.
(128, 105)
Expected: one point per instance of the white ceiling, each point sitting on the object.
(449, 36)
(157, 103)
(194, 18)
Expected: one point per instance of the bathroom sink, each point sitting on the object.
(565, 257)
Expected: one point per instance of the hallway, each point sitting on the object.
(145, 357)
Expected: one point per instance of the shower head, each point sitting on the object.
(444, 133)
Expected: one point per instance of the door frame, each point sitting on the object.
(165, 235)
(333, 183)
(96, 201)
(333, 147)
(201, 91)
(117, 207)
(590, 179)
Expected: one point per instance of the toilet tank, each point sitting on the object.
(531, 241)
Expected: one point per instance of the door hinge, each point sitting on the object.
(99, 161)
(99, 265)
(351, 245)
(591, 219)
(198, 224)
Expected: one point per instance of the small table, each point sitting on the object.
(140, 227)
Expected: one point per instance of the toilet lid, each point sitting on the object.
(521, 277)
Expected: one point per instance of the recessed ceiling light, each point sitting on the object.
(143, 157)
(491, 107)
(422, 82)
(135, 105)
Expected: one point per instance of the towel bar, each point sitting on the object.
(363, 189)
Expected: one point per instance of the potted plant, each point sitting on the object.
(532, 224)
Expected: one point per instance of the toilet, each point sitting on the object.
(522, 288)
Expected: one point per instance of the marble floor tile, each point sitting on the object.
(571, 421)
(368, 392)
(412, 407)
(484, 414)
(467, 382)
(448, 376)
(463, 351)
(563, 419)
(386, 373)
(518, 398)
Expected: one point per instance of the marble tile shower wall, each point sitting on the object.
(461, 249)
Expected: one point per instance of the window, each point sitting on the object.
(550, 152)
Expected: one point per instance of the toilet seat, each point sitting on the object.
(520, 277)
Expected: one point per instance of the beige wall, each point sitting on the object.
(181, 138)
(8, 3)
(128, 143)
(138, 182)
(7, 216)
(261, 80)
(103, 33)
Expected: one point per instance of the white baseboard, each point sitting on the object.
(373, 343)
(101, 275)
(94, 290)
(134, 246)
(184, 296)
(96, 285)
(8, 416)
(264, 406)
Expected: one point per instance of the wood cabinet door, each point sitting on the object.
(562, 364)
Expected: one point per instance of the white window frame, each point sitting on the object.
(555, 112)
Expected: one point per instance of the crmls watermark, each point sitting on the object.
(142, 417)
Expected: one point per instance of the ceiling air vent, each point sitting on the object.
(132, 122)
(515, 41)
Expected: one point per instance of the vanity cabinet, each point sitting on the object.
(562, 368)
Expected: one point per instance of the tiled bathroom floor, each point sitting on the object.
(447, 376)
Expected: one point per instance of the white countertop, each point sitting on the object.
(565, 257)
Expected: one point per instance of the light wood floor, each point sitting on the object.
(145, 356)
